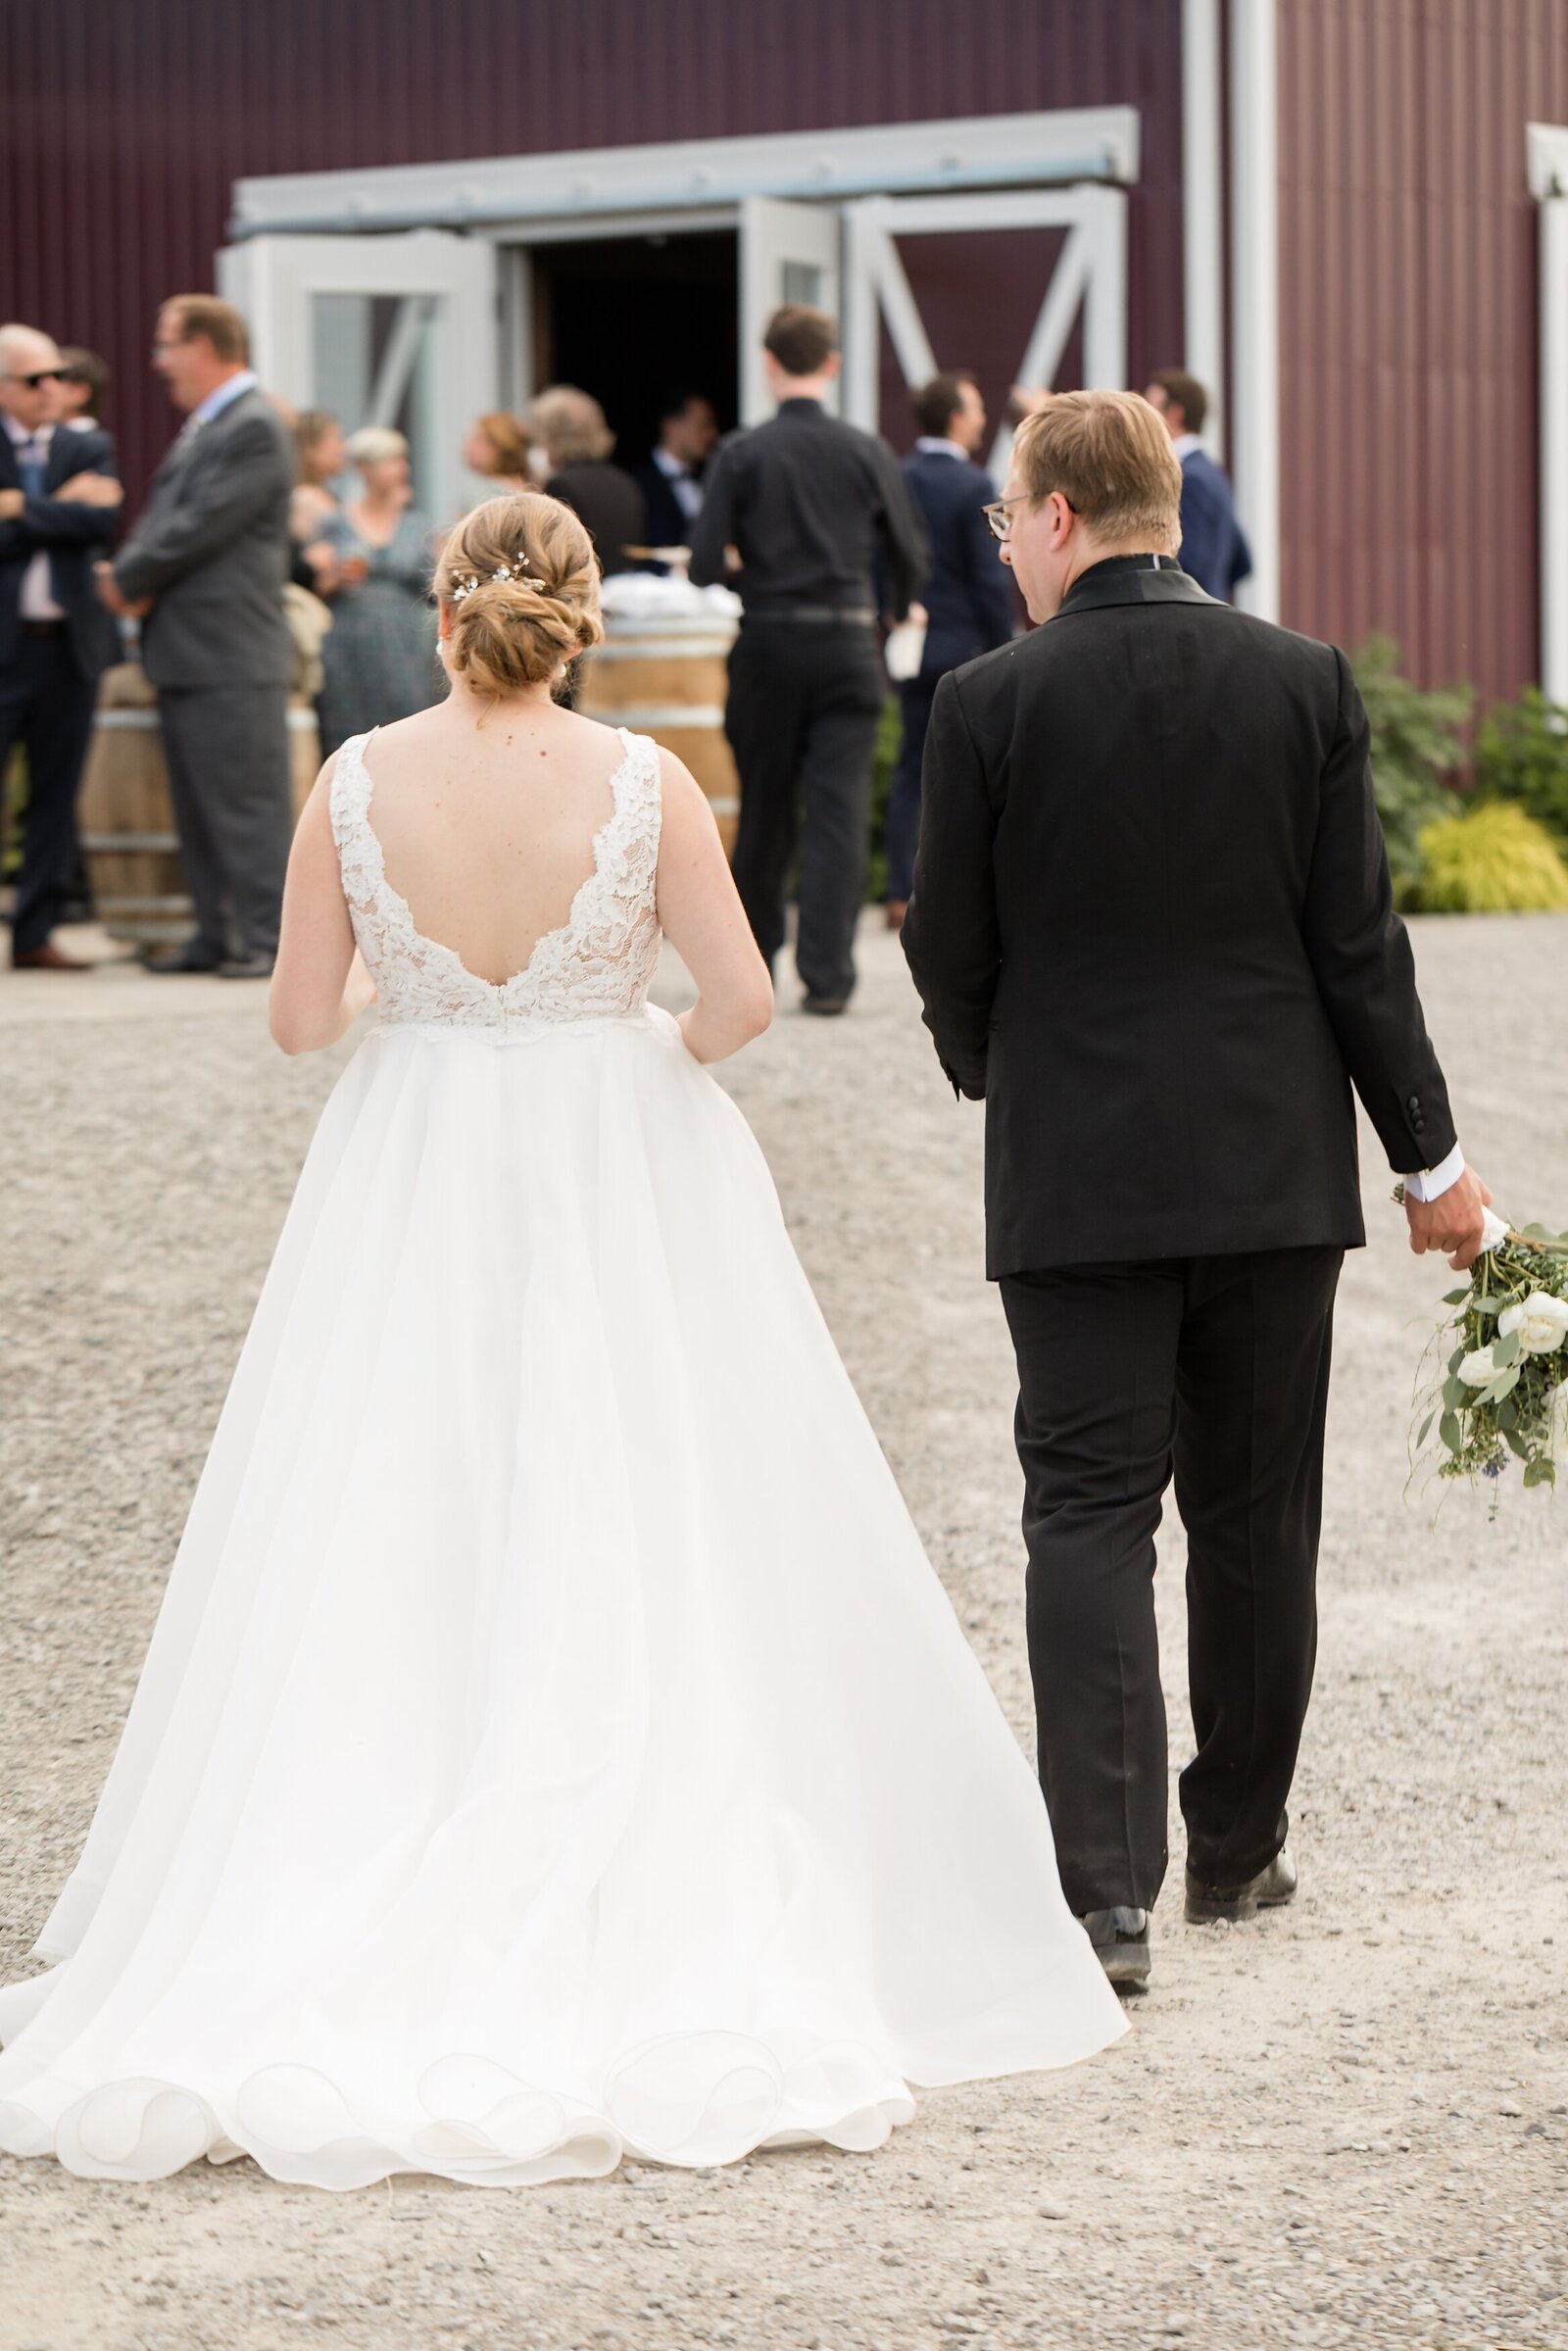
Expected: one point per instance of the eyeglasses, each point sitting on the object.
(39, 375)
(1000, 521)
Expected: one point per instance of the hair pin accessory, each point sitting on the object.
(515, 570)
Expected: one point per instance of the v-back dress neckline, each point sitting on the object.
(595, 964)
(393, 896)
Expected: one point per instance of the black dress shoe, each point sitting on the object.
(1120, 1940)
(192, 956)
(1207, 1905)
(825, 1008)
(246, 967)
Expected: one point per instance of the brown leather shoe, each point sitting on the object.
(46, 959)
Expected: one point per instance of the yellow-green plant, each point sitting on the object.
(1494, 860)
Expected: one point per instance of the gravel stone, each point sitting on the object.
(1301, 2140)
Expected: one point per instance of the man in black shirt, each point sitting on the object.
(810, 505)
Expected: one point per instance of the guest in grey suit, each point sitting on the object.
(205, 568)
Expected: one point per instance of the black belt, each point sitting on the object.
(43, 628)
(862, 615)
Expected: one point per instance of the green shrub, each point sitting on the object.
(888, 737)
(1494, 860)
(1417, 746)
(1522, 755)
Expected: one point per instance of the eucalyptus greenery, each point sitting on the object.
(1504, 1393)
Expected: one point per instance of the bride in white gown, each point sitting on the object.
(555, 1745)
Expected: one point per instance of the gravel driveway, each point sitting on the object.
(1344, 2125)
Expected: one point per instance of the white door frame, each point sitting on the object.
(515, 196)
(274, 279)
(778, 236)
(1547, 160)
(1090, 271)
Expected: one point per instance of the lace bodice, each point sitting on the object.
(597, 965)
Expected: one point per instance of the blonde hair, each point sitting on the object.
(571, 426)
(516, 631)
(1110, 458)
(507, 439)
(373, 444)
(311, 428)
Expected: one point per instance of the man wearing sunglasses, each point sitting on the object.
(59, 507)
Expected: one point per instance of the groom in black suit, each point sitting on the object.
(1152, 927)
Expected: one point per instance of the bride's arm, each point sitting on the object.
(701, 914)
(319, 987)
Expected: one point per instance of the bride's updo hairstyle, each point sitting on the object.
(521, 581)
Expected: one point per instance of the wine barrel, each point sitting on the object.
(126, 821)
(664, 674)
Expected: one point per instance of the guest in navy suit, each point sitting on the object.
(59, 501)
(672, 481)
(967, 599)
(1214, 549)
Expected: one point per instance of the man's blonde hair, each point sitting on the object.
(1111, 457)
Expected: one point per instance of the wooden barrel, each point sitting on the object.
(665, 675)
(124, 817)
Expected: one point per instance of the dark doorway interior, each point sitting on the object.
(632, 320)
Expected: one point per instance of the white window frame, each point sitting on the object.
(1090, 274)
(1547, 162)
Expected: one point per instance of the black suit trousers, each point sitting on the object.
(47, 705)
(1216, 1369)
(805, 701)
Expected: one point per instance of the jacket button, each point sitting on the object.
(1413, 1105)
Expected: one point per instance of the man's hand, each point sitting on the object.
(111, 599)
(1022, 401)
(1451, 1224)
(92, 489)
(11, 503)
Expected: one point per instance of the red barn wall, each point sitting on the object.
(1408, 326)
(124, 124)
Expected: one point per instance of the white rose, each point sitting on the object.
(1541, 1322)
(1477, 1370)
(1494, 1230)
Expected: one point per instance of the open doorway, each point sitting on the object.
(633, 320)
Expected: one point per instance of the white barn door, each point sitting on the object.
(1090, 274)
(398, 331)
(789, 253)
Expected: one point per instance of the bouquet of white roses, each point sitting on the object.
(1505, 1390)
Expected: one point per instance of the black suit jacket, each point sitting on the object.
(968, 594)
(668, 526)
(609, 505)
(75, 536)
(1152, 926)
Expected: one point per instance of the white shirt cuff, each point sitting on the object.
(1431, 1183)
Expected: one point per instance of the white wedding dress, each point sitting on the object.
(555, 1744)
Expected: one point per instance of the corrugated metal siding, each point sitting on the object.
(125, 123)
(1408, 324)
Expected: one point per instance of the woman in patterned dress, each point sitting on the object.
(380, 660)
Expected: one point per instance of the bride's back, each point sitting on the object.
(488, 806)
(488, 832)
